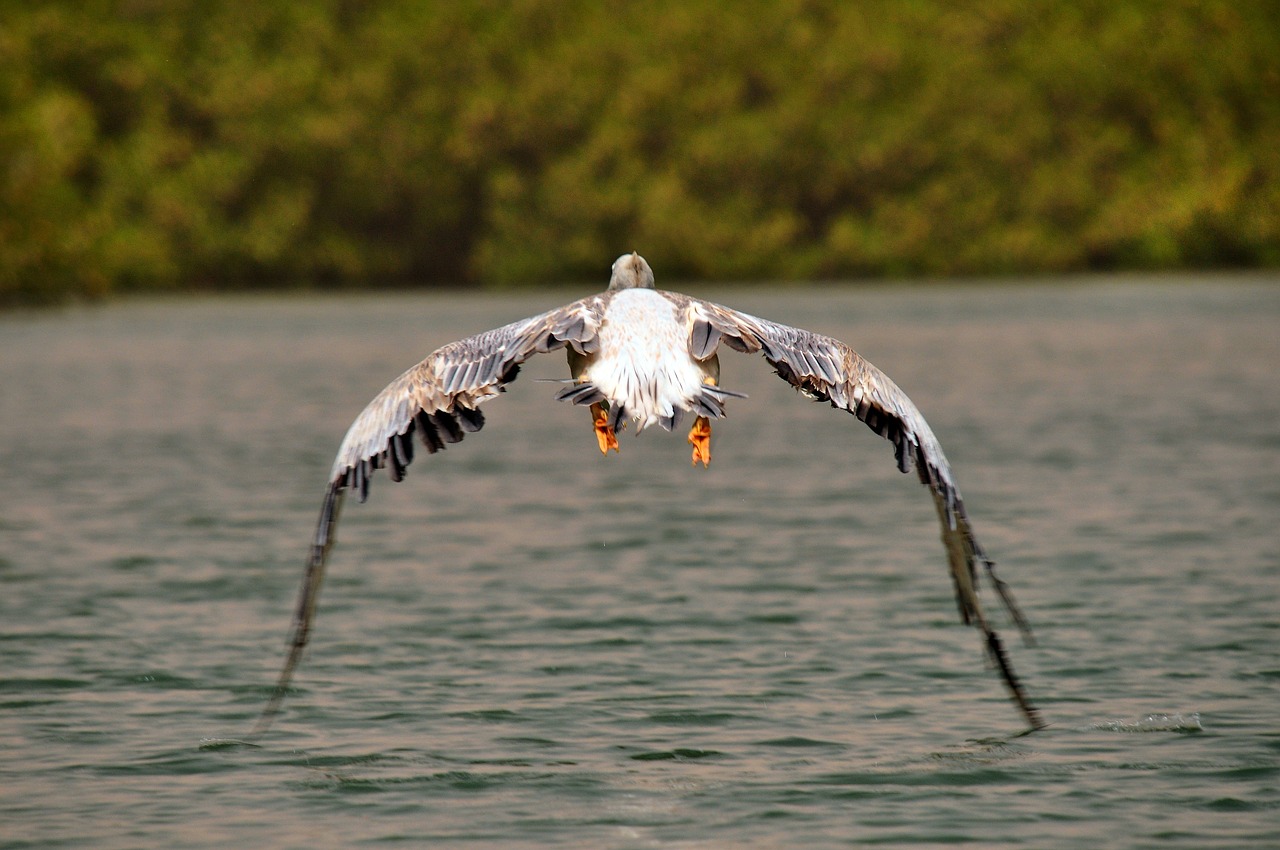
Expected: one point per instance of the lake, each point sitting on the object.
(528, 644)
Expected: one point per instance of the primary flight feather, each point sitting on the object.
(645, 356)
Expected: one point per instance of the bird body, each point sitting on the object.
(645, 373)
(641, 355)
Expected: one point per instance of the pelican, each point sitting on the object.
(643, 356)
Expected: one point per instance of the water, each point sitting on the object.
(526, 644)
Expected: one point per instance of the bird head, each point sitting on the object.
(630, 271)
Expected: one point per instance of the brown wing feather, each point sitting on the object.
(438, 399)
(825, 369)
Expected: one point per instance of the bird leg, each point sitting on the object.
(604, 434)
(700, 439)
(700, 433)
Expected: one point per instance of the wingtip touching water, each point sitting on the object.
(637, 357)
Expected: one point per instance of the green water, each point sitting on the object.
(526, 644)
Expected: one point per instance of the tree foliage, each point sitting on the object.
(178, 143)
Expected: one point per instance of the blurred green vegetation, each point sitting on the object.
(164, 144)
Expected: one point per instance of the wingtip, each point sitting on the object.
(995, 647)
(308, 597)
(1010, 604)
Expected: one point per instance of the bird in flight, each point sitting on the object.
(643, 356)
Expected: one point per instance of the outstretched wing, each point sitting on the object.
(438, 400)
(825, 369)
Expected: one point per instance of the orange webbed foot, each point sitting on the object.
(604, 434)
(700, 439)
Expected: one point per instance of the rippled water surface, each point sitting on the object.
(527, 644)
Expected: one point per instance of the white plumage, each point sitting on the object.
(641, 363)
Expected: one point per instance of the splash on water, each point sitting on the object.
(1181, 723)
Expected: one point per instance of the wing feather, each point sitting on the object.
(438, 399)
(454, 380)
(825, 369)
